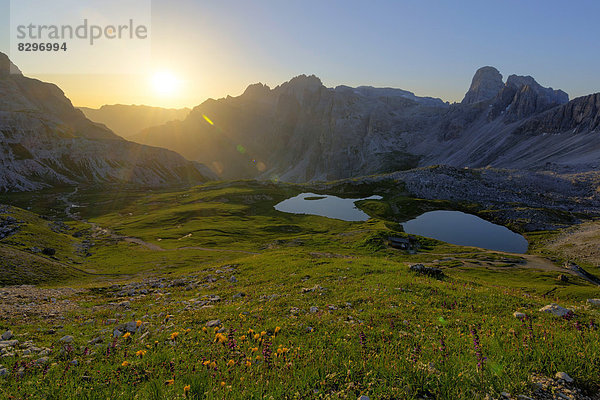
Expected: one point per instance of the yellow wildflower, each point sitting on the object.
(170, 382)
(254, 349)
(186, 389)
(248, 363)
(125, 363)
(230, 363)
(242, 338)
(263, 333)
(206, 362)
(127, 335)
(222, 384)
(204, 329)
(277, 329)
(140, 353)
(138, 323)
(219, 337)
(174, 335)
(213, 364)
(256, 336)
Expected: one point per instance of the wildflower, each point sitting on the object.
(186, 389)
(254, 349)
(476, 344)
(213, 364)
(138, 323)
(222, 384)
(169, 382)
(204, 329)
(127, 335)
(250, 331)
(277, 329)
(230, 363)
(125, 363)
(248, 363)
(174, 335)
(219, 337)
(256, 337)
(267, 352)
(263, 333)
(242, 338)
(140, 353)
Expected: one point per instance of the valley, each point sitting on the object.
(226, 289)
(275, 264)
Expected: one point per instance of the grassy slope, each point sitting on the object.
(403, 336)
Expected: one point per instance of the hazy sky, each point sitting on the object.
(432, 48)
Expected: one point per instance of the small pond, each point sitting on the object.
(449, 226)
(467, 230)
(325, 206)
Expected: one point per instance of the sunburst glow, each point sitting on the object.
(165, 83)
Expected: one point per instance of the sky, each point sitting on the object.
(217, 48)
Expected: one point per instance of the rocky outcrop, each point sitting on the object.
(45, 141)
(581, 115)
(522, 97)
(7, 67)
(486, 84)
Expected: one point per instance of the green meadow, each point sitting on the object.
(230, 299)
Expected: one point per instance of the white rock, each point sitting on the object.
(66, 339)
(519, 315)
(564, 376)
(555, 310)
(594, 302)
(213, 323)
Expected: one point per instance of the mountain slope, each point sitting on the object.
(128, 120)
(45, 141)
(303, 131)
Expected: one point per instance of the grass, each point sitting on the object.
(377, 330)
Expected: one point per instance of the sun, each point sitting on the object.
(165, 83)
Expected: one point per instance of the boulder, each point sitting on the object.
(519, 315)
(66, 339)
(564, 376)
(594, 302)
(429, 271)
(556, 310)
(213, 323)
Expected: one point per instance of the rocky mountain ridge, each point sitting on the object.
(45, 141)
(304, 131)
(129, 120)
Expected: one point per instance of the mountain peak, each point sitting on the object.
(301, 83)
(485, 85)
(257, 89)
(549, 95)
(7, 67)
